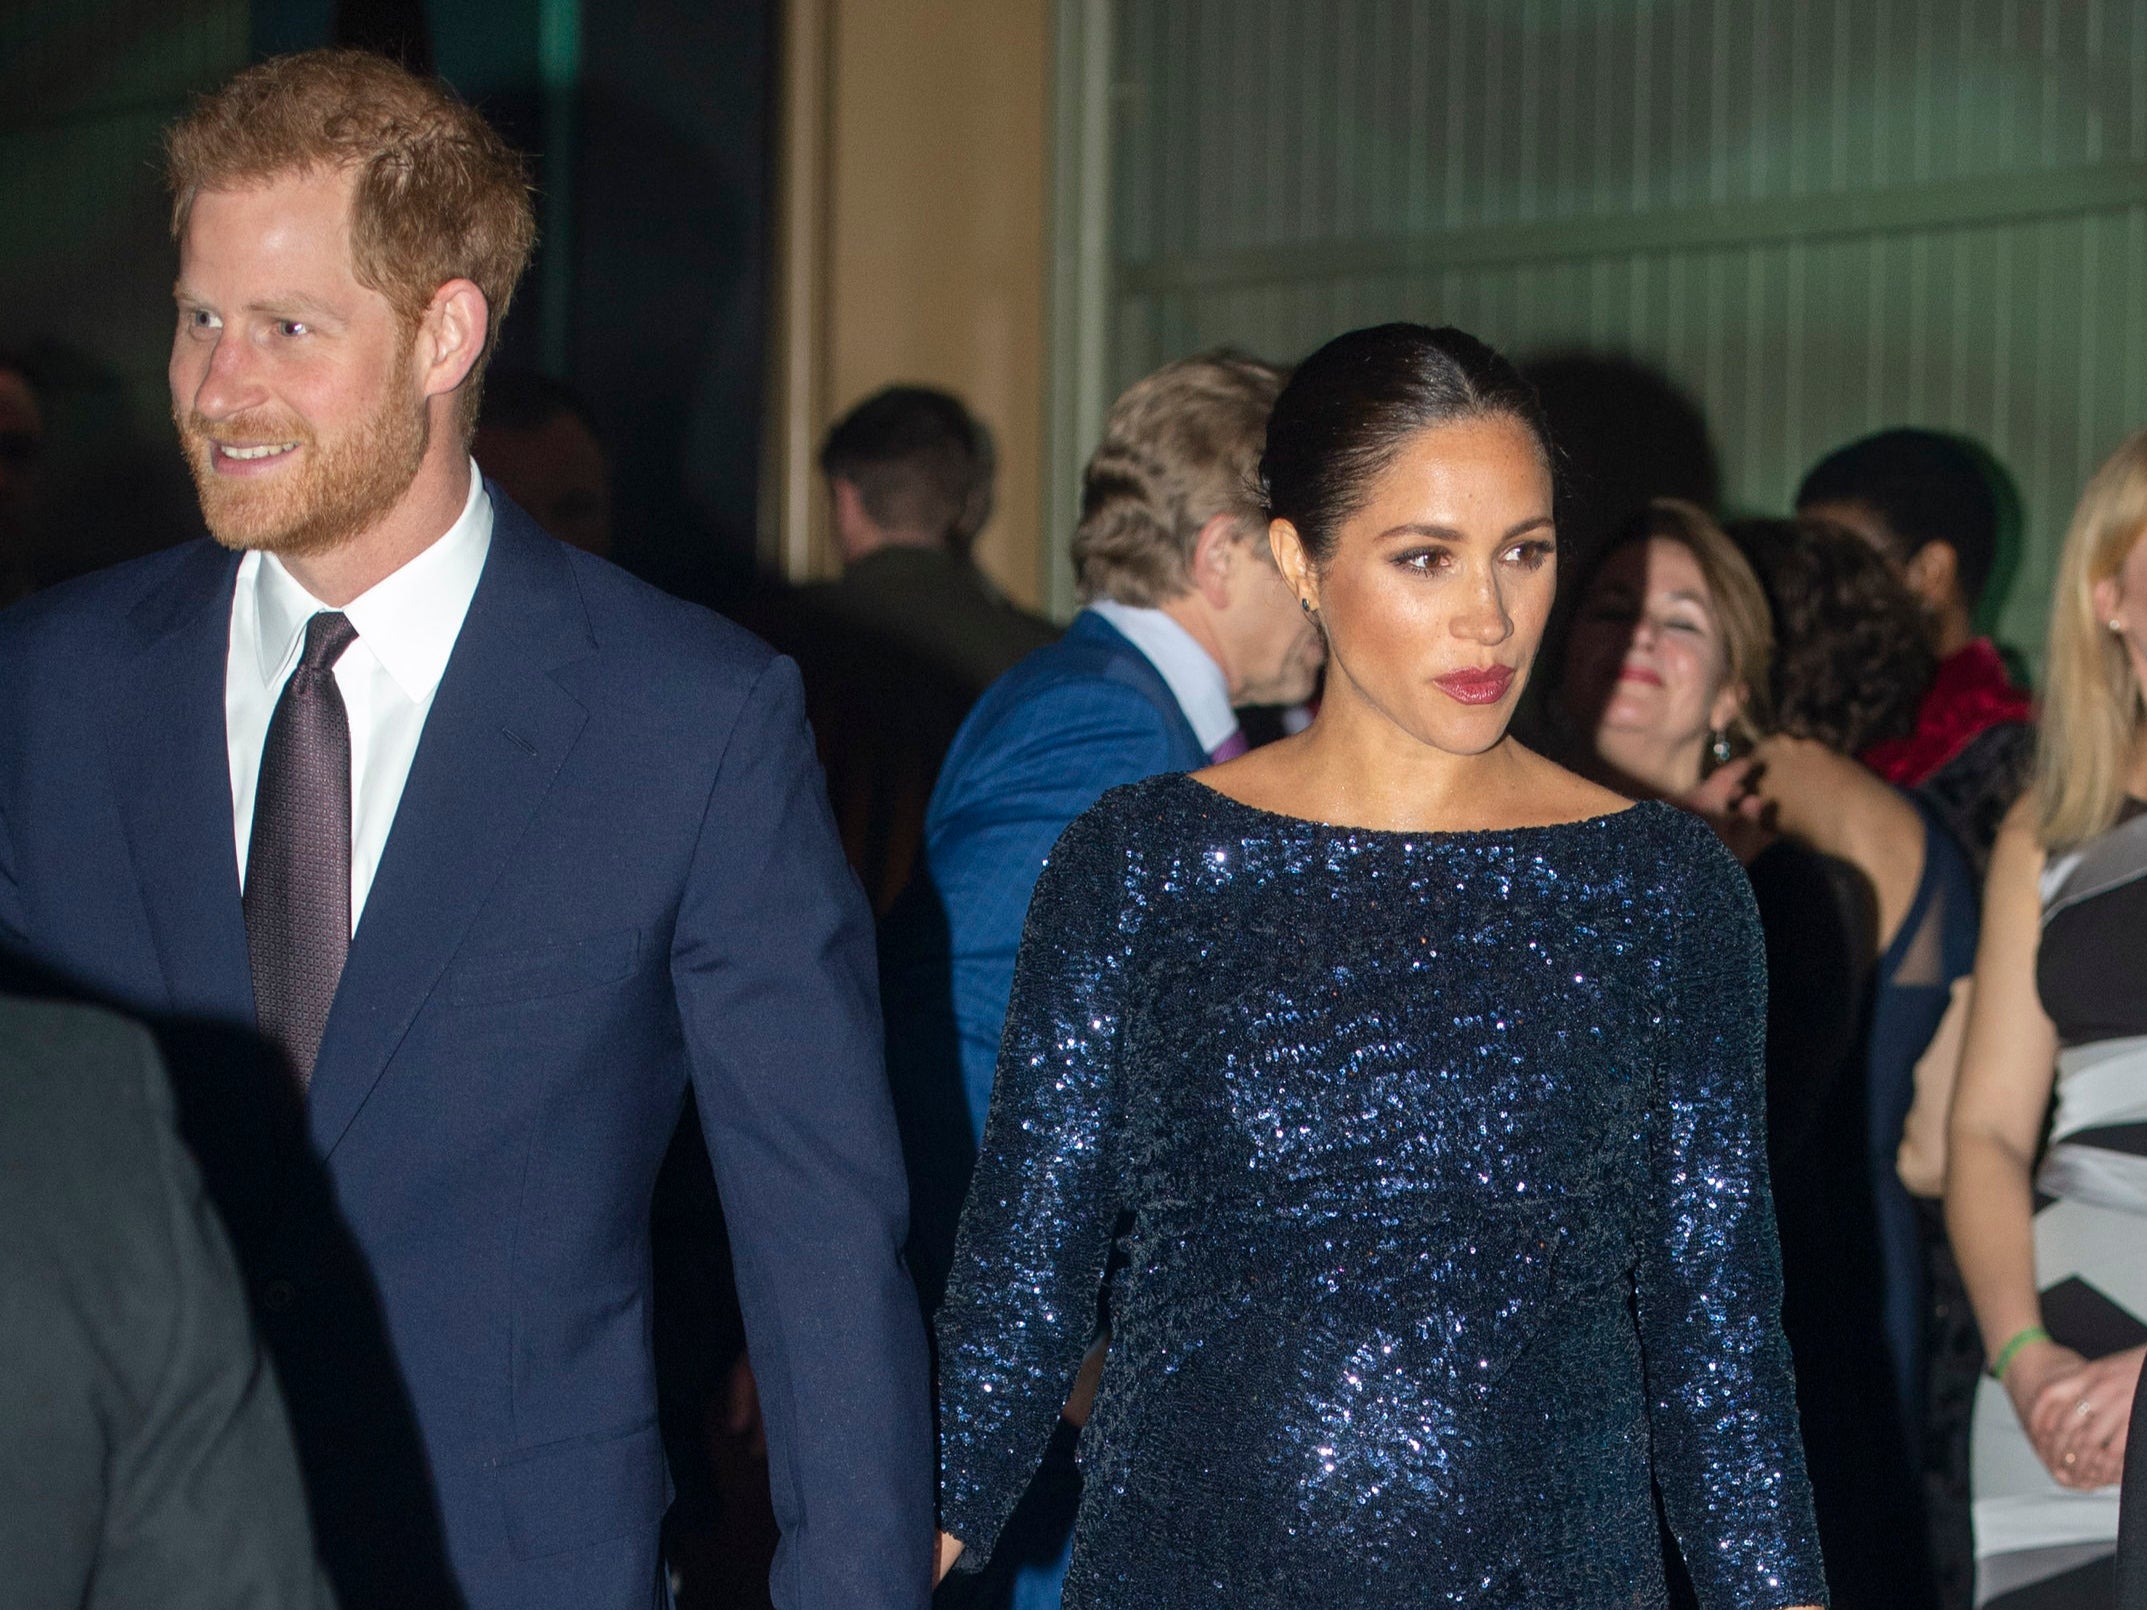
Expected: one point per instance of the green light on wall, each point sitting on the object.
(559, 65)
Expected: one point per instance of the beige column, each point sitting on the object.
(911, 246)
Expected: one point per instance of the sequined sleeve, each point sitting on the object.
(1036, 1231)
(1721, 1399)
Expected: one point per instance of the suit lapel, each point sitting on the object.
(498, 731)
(172, 778)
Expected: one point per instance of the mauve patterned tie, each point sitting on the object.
(298, 860)
(1230, 748)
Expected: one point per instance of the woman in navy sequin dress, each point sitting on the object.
(1422, 1082)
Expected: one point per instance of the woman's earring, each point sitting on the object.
(1720, 748)
(2117, 628)
(1305, 604)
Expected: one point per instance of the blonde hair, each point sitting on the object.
(438, 194)
(2091, 695)
(1179, 448)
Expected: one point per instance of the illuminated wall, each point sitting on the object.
(1818, 217)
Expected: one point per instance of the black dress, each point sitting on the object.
(1450, 1229)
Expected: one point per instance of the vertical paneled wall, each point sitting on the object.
(1817, 217)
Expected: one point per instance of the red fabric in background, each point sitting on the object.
(1970, 695)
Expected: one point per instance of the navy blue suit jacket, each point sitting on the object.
(612, 869)
(1083, 715)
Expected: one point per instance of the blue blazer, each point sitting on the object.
(1083, 715)
(613, 869)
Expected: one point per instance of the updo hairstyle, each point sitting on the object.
(1350, 407)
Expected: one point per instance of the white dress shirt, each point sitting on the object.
(406, 624)
(1194, 679)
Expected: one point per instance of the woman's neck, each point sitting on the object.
(1372, 772)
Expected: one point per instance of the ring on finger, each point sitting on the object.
(2083, 1408)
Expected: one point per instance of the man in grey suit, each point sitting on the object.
(144, 1456)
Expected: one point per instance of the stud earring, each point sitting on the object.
(1719, 749)
(1305, 604)
(2117, 628)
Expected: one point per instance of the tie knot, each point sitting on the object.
(328, 634)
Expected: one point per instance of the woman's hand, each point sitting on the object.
(2077, 1417)
(950, 1550)
(1725, 800)
(2034, 1370)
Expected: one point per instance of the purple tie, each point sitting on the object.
(298, 859)
(1230, 748)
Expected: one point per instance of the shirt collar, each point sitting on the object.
(1194, 679)
(409, 619)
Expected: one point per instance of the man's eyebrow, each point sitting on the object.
(294, 304)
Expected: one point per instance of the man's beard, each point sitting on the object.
(338, 488)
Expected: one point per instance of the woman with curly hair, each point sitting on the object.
(1854, 658)
(2050, 1233)
(1686, 678)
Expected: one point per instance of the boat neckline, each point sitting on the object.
(1599, 819)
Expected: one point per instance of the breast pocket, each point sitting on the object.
(537, 972)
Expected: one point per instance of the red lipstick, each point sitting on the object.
(1486, 684)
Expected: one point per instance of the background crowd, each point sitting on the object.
(1947, 865)
(1813, 685)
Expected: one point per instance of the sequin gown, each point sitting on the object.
(1443, 1162)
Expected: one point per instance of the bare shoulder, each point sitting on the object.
(1250, 774)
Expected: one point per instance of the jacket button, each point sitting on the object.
(278, 1295)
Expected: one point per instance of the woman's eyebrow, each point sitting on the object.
(1445, 533)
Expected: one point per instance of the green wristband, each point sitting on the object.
(2021, 1338)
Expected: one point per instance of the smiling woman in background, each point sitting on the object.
(1429, 1077)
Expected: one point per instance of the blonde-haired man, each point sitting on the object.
(445, 856)
(1187, 616)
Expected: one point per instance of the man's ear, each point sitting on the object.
(852, 525)
(1216, 556)
(1933, 573)
(451, 336)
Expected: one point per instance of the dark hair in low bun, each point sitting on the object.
(1349, 407)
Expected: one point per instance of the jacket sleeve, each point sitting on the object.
(205, 1506)
(1004, 801)
(773, 966)
(13, 934)
(1722, 1404)
(1036, 1233)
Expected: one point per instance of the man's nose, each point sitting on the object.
(230, 382)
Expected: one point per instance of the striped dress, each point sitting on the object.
(2038, 1544)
